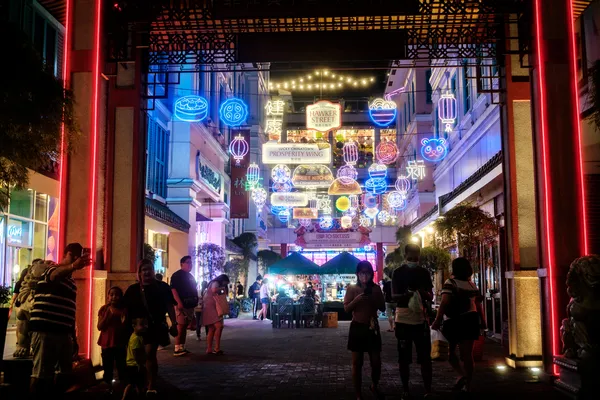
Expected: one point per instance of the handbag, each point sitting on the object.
(222, 304)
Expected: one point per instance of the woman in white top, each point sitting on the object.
(461, 304)
(264, 299)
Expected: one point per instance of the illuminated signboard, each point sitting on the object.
(208, 174)
(324, 116)
(291, 199)
(312, 176)
(296, 153)
(305, 213)
(191, 108)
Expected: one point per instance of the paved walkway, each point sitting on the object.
(266, 363)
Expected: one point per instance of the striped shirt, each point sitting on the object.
(54, 304)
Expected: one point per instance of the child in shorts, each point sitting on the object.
(136, 359)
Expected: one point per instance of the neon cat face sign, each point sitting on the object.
(434, 150)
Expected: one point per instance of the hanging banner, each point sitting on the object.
(324, 116)
(305, 213)
(296, 153)
(239, 196)
(290, 199)
(326, 240)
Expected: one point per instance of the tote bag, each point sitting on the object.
(222, 304)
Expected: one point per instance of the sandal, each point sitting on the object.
(460, 384)
(218, 352)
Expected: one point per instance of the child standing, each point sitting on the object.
(113, 335)
(136, 359)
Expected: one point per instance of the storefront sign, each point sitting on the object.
(306, 213)
(334, 239)
(296, 153)
(315, 176)
(209, 174)
(324, 116)
(239, 196)
(18, 233)
(291, 199)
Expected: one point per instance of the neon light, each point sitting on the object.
(326, 222)
(281, 173)
(395, 199)
(382, 112)
(281, 187)
(403, 184)
(581, 171)
(351, 212)
(416, 170)
(342, 203)
(292, 199)
(371, 212)
(284, 216)
(545, 165)
(233, 112)
(324, 116)
(191, 108)
(94, 151)
(447, 111)
(346, 221)
(259, 196)
(434, 150)
(275, 107)
(386, 152)
(239, 148)
(384, 216)
(365, 221)
(305, 222)
(377, 171)
(275, 210)
(347, 174)
(324, 204)
(376, 185)
(370, 200)
(312, 176)
(274, 128)
(350, 153)
(253, 173)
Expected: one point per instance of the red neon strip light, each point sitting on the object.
(94, 146)
(547, 205)
(581, 172)
(63, 162)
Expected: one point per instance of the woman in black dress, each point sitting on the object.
(364, 299)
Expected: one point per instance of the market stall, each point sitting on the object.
(336, 275)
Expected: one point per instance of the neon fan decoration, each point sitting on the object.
(382, 112)
(434, 149)
(284, 187)
(191, 108)
(233, 112)
(239, 148)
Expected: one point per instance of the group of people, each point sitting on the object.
(408, 300)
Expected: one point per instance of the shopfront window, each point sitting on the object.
(41, 207)
(21, 202)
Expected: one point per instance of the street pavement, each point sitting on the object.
(312, 363)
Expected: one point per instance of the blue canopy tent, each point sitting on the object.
(294, 264)
(343, 263)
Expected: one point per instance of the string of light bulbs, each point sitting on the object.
(315, 81)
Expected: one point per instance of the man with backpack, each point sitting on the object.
(254, 295)
(412, 289)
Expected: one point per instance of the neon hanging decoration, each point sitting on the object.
(275, 210)
(346, 222)
(378, 171)
(402, 205)
(351, 212)
(353, 201)
(402, 184)
(191, 108)
(284, 187)
(259, 196)
(233, 112)
(384, 216)
(253, 174)
(281, 173)
(365, 221)
(284, 215)
(447, 111)
(305, 222)
(350, 153)
(395, 199)
(371, 212)
(386, 152)
(324, 204)
(382, 112)
(434, 149)
(342, 203)
(326, 222)
(376, 185)
(370, 200)
(239, 148)
(416, 170)
(347, 174)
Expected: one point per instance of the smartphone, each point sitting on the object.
(86, 252)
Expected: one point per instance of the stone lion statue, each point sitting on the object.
(580, 331)
(25, 301)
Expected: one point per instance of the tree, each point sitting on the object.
(34, 108)
(248, 243)
(210, 258)
(435, 259)
(235, 269)
(266, 258)
(403, 235)
(394, 259)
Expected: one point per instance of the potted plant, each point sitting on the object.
(5, 295)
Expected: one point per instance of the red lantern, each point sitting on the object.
(238, 148)
(387, 152)
(350, 152)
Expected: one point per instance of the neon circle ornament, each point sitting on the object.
(191, 108)
(395, 199)
(239, 148)
(284, 215)
(384, 216)
(382, 112)
(326, 222)
(281, 173)
(402, 184)
(259, 196)
(371, 212)
(346, 222)
(387, 152)
(233, 112)
(433, 149)
(342, 203)
(376, 186)
(350, 153)
(347, 174)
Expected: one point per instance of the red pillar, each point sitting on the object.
(559, 173)
(379, 262)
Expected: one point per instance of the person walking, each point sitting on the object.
(461, 305)
(239, 290)
(52, 324)
(211, 316)
(185, 292)
(112, 321)
(151, 300)
(411, 290)
(265, 299)
(198, 310)
(254, 295)
(363, 300)
(390, 306)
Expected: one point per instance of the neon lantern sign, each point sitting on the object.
(239, 148)
(191, 108)
(434, 150)
(233, 112)
(447, 111)
(382, 112)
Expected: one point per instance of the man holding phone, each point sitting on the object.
(52, 322)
